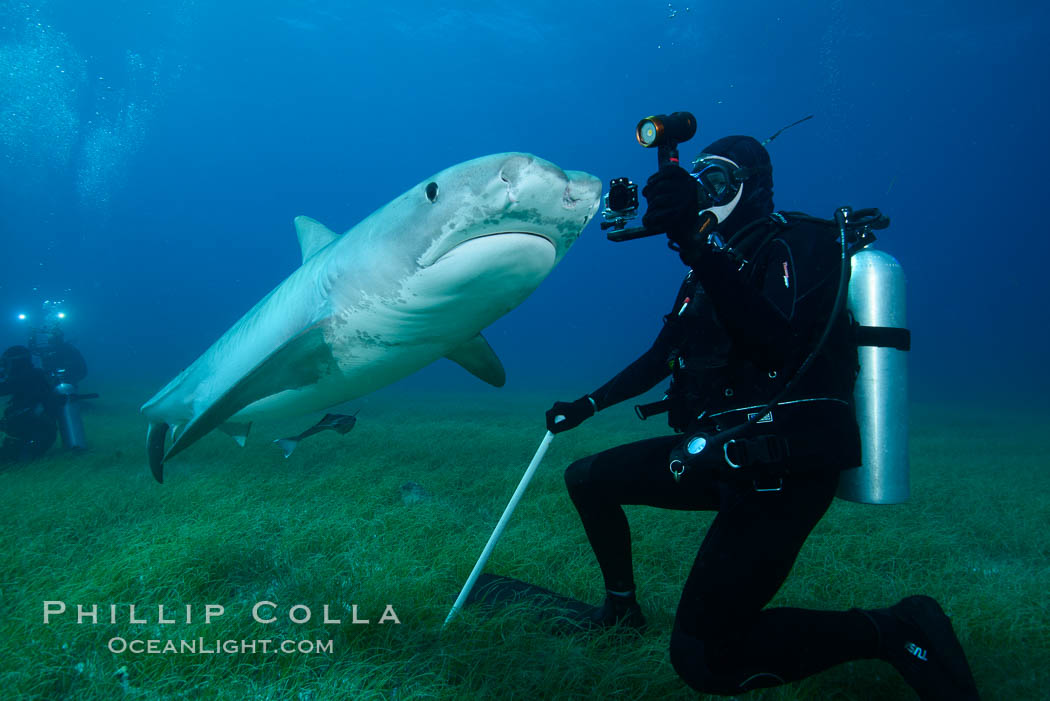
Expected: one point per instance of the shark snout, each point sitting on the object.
(582, 193)
(519, 172)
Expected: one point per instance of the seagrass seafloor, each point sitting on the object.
(390, 519)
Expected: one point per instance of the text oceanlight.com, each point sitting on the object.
(201, 646)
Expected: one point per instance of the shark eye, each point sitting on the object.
(432, 191)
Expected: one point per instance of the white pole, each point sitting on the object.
(525, 479)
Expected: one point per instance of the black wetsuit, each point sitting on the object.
(29, 422)
(730, 349)
(63, 362)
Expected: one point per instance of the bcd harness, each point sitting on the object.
(741, 445)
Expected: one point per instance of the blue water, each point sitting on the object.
(154, 153)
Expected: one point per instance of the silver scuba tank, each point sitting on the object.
(877, 299)
(70, 423)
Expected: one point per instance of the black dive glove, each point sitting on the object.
(575, 413)
(673, 203)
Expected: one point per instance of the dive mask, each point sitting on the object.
(721, 183)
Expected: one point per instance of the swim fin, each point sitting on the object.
(564, 613)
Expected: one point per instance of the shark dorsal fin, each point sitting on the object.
(313, 235)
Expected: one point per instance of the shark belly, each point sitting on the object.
(437, 310)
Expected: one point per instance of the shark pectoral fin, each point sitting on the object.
(477, 357)
(313, 235)
(302, 361)
(287, 445)
(155, 435)
(237, 431)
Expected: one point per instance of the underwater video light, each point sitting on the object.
(663, 129)
(21, 317)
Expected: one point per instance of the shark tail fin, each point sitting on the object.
(287, 445)
(155, 435)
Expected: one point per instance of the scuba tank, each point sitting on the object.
(876, 299)
(70, 424)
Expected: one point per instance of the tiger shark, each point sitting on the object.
(417, 280)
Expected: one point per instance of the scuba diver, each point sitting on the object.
(60, 360)
(29, 423)
(762, 360)
(65, 368)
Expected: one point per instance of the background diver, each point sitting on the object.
(62, 368)
(744, 321)
(59, 359)
(29, 423)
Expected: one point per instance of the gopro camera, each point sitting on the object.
(621, 203)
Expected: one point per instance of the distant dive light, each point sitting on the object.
(21, 317)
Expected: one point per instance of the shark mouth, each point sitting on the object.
(482, 239)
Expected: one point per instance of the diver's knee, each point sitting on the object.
(578, 474)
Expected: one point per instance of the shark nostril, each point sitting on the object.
(571, 197)
(512, 170)
(512, 194)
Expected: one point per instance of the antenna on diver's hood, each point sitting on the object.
(786, 128)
